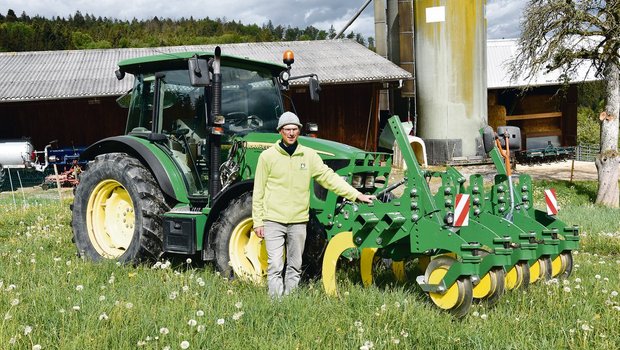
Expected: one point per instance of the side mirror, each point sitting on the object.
(315, 89)
(512, 134)
(488, 138)
(198, 71)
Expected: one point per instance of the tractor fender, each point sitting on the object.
(145, 152)
(220, 203)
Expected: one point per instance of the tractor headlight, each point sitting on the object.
(369, 182)
(356, 181)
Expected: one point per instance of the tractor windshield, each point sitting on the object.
(251, 102)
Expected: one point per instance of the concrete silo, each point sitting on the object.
(450, 58)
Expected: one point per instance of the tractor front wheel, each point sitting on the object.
(116, 213)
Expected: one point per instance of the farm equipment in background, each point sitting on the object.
(548, 154)
(163, 188)
(15, 154)
(66, 162)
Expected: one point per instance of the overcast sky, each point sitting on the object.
(502, 15)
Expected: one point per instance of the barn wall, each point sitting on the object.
(346, 113)
(77, 122)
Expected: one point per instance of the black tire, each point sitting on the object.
(234, 222)
(238, 211)
(118, 185)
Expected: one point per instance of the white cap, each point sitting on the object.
(288, 118)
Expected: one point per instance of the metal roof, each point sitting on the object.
(501, 51)
(41, 75)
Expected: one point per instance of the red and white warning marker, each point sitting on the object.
(461, 210)
(552, 202)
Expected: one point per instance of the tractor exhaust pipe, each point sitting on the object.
(216, 122)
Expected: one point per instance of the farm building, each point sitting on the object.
(70, 96)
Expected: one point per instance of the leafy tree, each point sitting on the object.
(564, 34)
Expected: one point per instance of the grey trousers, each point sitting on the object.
(277, 237)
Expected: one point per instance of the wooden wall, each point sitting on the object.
(345, 113)
(76, 122)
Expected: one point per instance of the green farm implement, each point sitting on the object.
(179, 182)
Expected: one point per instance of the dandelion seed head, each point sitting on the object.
(383, 307)
(577, 280)
(188, 260)
(101, 297)
(598, 277)
(586, 327)
(7, 316)
(36, 347)
(614, 293)
(192, 322)
(173, 295)
(15, 302)
(184, 344)
(238, 305)
(129, 305)
(606, 279)
(141, 343)
(617, 308)
(201, 328)
(237, 315)
(220, 321)
(475, 314)
(567, 289)
(200, 313)
(164, 330)
(79, 287)
(13, 340)
(229, 292)
(76, 307)
(484, 316)
(357, 323)
(185, 288)
(103, 317)
(27, 330)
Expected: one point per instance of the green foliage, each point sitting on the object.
(588, 126)
(85, 31)
(50, 297)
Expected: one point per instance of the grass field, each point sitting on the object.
(50, 299)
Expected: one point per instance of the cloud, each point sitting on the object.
(503, 18)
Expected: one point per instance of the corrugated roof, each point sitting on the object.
(90, 73)
(501, 51)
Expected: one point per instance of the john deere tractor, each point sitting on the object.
(179, 182)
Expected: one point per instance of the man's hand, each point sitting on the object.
(366, 198)
(260, 231)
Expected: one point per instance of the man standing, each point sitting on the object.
(281, 201)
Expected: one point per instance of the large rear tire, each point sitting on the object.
(116, 212)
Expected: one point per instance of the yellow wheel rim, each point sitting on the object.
(110, 219)
(247, 252)
(557, 266)
(449, 300)
(336, 246)
(367, 259)
(514, 277)
(486, 286)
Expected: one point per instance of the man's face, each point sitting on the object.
(289, 134)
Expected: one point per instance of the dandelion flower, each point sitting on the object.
(192, 322)
(184, 344)
(164, 330)
(220, 321)
(27, 330)
(200, 313)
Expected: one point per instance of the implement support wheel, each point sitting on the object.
(370, 264)
(459, 296)
(518, 276)
(562, 265)
(540, 269)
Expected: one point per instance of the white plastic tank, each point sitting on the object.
(450, 51)
(16, 154)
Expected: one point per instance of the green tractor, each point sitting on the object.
(179, 182)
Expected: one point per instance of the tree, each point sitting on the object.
(565, 35)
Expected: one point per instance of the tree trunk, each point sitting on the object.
(608, 161)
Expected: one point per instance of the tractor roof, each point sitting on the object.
(167, 61)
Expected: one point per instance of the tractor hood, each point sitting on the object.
(326, 149)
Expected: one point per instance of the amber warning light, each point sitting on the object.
(288, 57)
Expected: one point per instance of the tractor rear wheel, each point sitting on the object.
(238, 251)
(116, 212)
